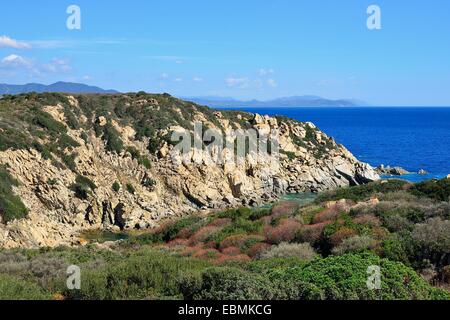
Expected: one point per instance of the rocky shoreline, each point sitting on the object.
(396, 171)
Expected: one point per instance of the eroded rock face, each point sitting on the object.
(178, 187)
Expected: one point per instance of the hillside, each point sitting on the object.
(70, 163)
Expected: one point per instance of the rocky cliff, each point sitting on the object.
(74, 163)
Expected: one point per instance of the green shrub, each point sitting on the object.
(291, 155)
(435, 189)
(116, 186)
(142, 160)
(71, 119)
(84, 136)
(130, 188)
(148, 182)
(398, 248)
(66, 141)
(238, 226)
(361, 192)
(85, 182)
(11, 206)
(345, 277)
(46, 121)
(433, 240)
(45, 152)
(354, 244)
(302, 251)
(234, 214)
(228, 284)
(112, 139)
(146, 273)
(13, 288)
(83, 187)
(69, 161)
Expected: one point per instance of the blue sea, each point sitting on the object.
(414, 138)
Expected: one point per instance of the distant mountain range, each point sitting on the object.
(211, 101)
(295, 101)
(67, 87)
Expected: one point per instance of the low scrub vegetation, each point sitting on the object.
(291, 251)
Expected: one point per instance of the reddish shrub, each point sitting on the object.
(266, 220)
(185, 233)
(446, 274)
(241, 241)
(257, 249)
(379, 233)
(202, 234)
(210, 244)
(206, 254)
(340, 235)
(236, 240)
(177, 243)
(284, 208)
(312, 233)
(190, 251)
(231, 251)
(367, 219)
(327, 215)
(163, 226)
(284, 232)
(220, 222)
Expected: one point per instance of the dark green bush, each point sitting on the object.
(112, 139)
(45, 120)
(145, 273)
(14, 288)
(345, 277)
(361, 192)
(66, 141)
(116, 186)
(130, 188)
(228, 284)
(435, 189)
(83, 187)
(11, 206)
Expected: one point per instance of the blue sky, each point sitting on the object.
(243, 49)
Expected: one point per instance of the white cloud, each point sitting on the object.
(56, 44)
(16, 61)
(246, 82)
(164, 76)
(265, 72)
(240, 83)
(197, 79)
(272, 83)
(6, 41)
(57, 65)
(178, 79)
